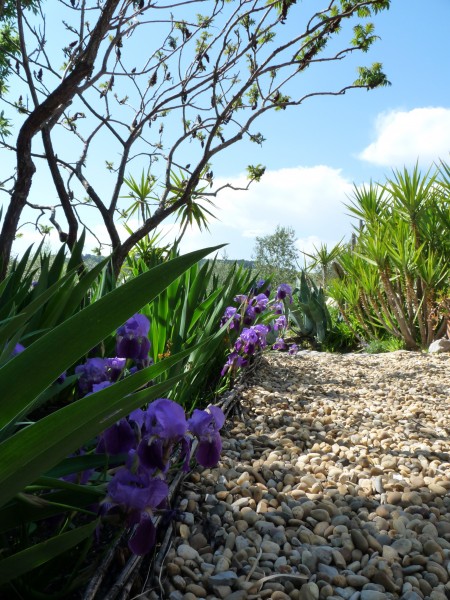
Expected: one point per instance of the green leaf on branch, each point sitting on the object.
(372, 77)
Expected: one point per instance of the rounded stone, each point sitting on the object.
(309, 591)
(187, 553)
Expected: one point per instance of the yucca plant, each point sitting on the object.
(324, 258)
(392, 278)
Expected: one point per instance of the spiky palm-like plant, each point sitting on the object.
(396, 278)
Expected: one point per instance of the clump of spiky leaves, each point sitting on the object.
(396, 277)
(34, 447)
(309, 316)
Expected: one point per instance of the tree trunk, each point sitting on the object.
(393, 301)
(37, 119)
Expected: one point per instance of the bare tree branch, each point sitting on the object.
(163, 89)
(61, 96)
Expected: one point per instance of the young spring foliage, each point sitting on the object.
(208, 74)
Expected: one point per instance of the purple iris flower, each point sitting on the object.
(247, 341)
(165, 419)
(94, 370)
(234, 361)
(261, 283)
(138, 494)
(18, 348)
(136, 491)
(280, 323)
(259, 303)
(165, 425)
(284, 291)
(241, 298)
(261, 332)
(278, 308)
(231, 312)
(206, 425)
(132, 338)
(293, 349)
(117, 439)
(280, 344)
(115, 367)
(250, 315)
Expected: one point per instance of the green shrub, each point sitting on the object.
(394, 278)
(340, 336)
(390, 344)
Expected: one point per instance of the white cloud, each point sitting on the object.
(308, 199)
(403, 137)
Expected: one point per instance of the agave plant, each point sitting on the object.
(309, 314)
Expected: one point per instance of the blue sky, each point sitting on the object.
(316, 152)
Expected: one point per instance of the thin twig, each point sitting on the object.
(97, 579)
(132, 565)
(290, 576)
(254, 565)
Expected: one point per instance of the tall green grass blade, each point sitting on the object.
(76, 257)
(31, 558)
(39, 447)
(54, 352)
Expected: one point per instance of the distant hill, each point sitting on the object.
(90, 260)
(242, 262)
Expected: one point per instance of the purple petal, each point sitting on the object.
(138, 326)
(208, 452)
(137, 491)
(115, 366)
(137, 416)
(218, 415)
(119, 438)
(144, 348)
(241, 298)
(128, 347)
(199, 423)
(151, 454)
(186, 451)
(98, 387)
(166, 419)
(143, 324)
(18, 348)
(144, 537)
(127, 489)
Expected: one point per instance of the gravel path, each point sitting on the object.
(334, 483)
